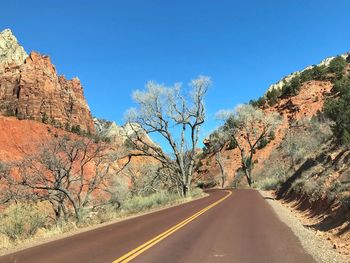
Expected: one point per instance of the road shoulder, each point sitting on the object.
(319, 248)
(30, 243)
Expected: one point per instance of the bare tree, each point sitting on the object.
(249, 126)
(217, 141)
(68, 173)
(176, 118)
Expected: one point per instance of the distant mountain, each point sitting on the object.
(119, 134)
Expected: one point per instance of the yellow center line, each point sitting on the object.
(140, 249)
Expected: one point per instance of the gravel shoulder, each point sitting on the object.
(317, 246)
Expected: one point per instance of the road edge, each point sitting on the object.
(321, 250)
(37, 242)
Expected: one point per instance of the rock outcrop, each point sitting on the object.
(31, 89)
(10, 51)
(118, 134)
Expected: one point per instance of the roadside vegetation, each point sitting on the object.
(74, 181)
(71, 184)
(303, 140)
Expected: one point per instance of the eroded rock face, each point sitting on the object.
(32, 90)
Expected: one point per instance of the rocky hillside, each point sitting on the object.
(324, 63)
(30, 88)
(307, 103)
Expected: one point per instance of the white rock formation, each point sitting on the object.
(10, 50)
(110, 129)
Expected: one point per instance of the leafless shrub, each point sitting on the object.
(303, 139)
(71, 174)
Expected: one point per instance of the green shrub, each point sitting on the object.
(342, 85)
(196, 192)
(348, 59)
(272, 96)
(199, 164)
(232, 145)
(260, 102)
(45, 118)
(105, 214)
(270, 183)
(76, 129)
(345, 138)
(291, 88)
(314, 73)
(20, 221)
(337, 66)
(306, 75)
(338, 110)
(141, 203)
(262, 143)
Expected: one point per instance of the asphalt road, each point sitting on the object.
(228, 226)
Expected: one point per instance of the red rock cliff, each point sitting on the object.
(33, 90)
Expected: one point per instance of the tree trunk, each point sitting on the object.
(248, 177)
(221, 166)
(223, 179)
(184, 190)
(249, 181)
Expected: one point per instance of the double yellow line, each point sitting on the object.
(137, 251)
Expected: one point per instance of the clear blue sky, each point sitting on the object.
(114, 47)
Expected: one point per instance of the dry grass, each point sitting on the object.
(131, 208)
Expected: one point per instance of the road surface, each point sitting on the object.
(227, 226)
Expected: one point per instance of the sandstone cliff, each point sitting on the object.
(31, 89)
